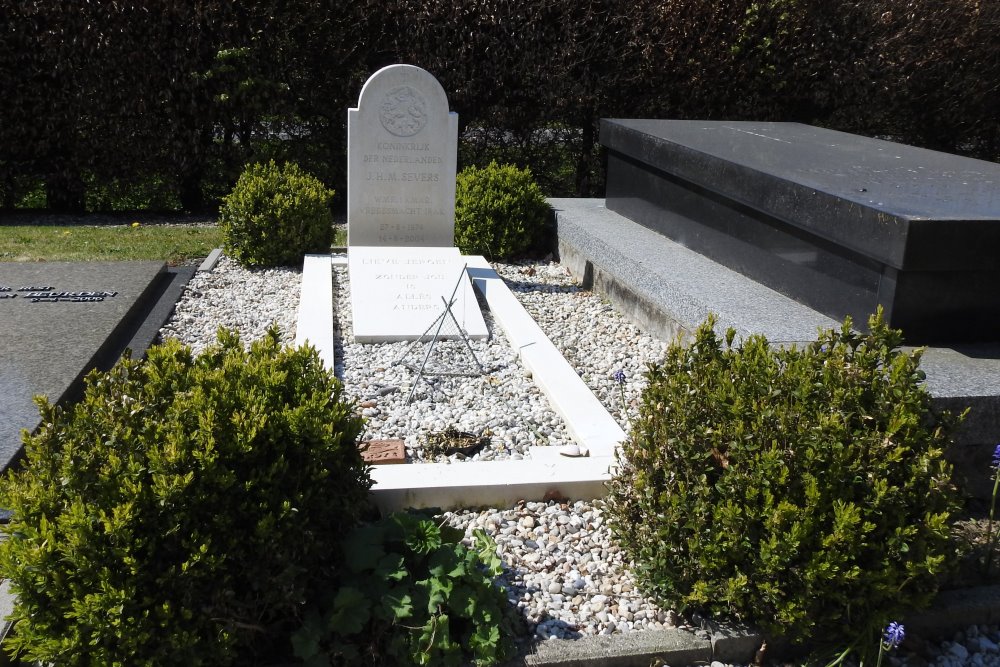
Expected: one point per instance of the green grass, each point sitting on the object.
(174, 244)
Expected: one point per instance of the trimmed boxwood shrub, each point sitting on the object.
(802, 490)
(182, 510)
(500, 212)
(275, 215)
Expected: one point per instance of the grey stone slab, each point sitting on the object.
(841, 223)
(82, 319)
(158, 311)
(669, 290)
(734, 644)
(956, 610)
(883, 197)
(668, 278)
(7, 601)
(636, 649)
(209, 262)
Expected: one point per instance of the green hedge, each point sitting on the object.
(184, 94)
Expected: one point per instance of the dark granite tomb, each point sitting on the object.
(838, 222)
(59, 320)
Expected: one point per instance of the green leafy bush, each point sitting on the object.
(181, 511)
(803, 490)
(500, 211)
(411, 593)
(275, 215)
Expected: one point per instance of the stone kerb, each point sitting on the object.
(401, 155)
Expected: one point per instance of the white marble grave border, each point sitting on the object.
(315, 322)
(500, 483)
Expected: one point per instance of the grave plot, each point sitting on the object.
(506, 474)
(505, 401)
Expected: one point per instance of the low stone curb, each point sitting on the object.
(209, 262)
(952, 611)
(956, 609)
(674, 647)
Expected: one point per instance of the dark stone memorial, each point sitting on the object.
(60, 320)
(838, 222)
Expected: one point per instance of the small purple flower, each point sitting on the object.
(996, 458)
(894, 635)
(619, 377)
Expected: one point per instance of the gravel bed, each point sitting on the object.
(977, 645)
(562, 570)
(248, 301)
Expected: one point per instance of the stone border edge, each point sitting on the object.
(209, 263)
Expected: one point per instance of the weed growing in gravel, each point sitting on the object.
(990, 536)
(619, 377)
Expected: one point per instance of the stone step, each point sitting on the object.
(669, 290)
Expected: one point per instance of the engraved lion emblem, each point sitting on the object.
(403, 112)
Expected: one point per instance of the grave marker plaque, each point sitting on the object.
(396, 293)
(58, 320)
(401, 154)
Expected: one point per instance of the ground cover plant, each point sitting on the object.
(802, 490)
(184, 509)
(175, 244)
(411, 593)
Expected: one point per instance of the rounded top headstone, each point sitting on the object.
(405, 96)
(402, 143)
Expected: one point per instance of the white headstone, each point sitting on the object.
(401, 153)
(396, 293)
